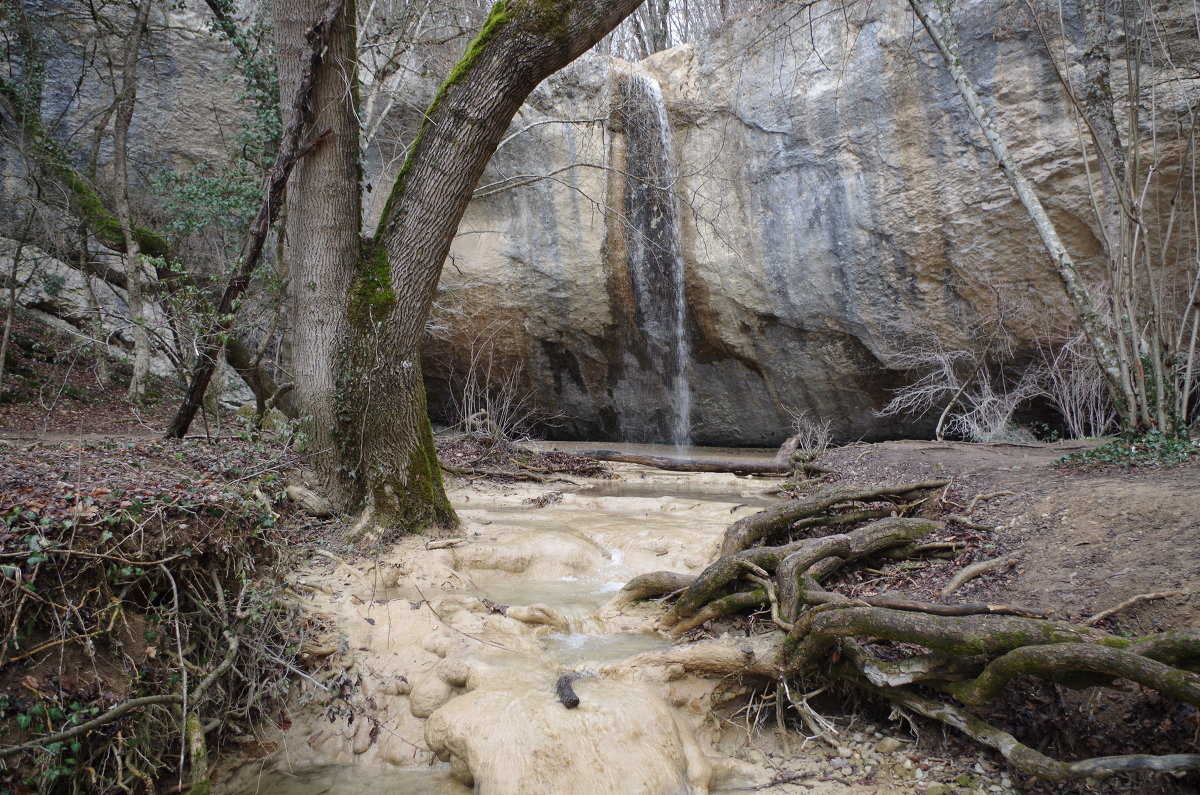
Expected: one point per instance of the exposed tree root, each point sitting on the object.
(746, 532)
(753, 656)
(654, 584)
(717, 608)
(984, 498)
(475, 472)
(1128, 603)
(977, 570)
(970, 651)
(1021, 756)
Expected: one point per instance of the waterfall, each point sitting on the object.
(655, 258)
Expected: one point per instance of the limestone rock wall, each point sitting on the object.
(839, 206)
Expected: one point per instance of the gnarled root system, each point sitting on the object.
(966, 653)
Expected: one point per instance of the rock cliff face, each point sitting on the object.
(836, 206)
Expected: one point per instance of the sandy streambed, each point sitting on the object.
(450, 664)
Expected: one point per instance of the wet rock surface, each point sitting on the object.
(839, 210)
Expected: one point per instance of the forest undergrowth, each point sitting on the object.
(146, 619)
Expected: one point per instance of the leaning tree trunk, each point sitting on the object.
(360, 306)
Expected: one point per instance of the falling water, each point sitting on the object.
(655, 257)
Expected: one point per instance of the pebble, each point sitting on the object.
(939, 789)
(888, 744)
(995, 788)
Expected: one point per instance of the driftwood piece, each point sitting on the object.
(564, 688)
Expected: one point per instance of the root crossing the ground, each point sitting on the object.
(938, 660)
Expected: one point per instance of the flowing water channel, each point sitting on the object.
(448, 659)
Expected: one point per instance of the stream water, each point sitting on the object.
(435, 684)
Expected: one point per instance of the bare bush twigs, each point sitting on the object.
(812, 438)
(221, 637)
(95, 723)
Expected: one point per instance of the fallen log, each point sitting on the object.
(700, 465)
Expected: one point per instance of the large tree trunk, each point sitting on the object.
(322, 225)
(360, 307)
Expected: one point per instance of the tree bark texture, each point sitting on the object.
(291, 150)
(322, 223)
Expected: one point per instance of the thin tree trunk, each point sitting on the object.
(12, 309)
(96, 324)
(126, 101)
(946, 41)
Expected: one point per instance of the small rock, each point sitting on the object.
(843, 752)
(938, 789)
(310, 502)
(995, 788)
(888, 744)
